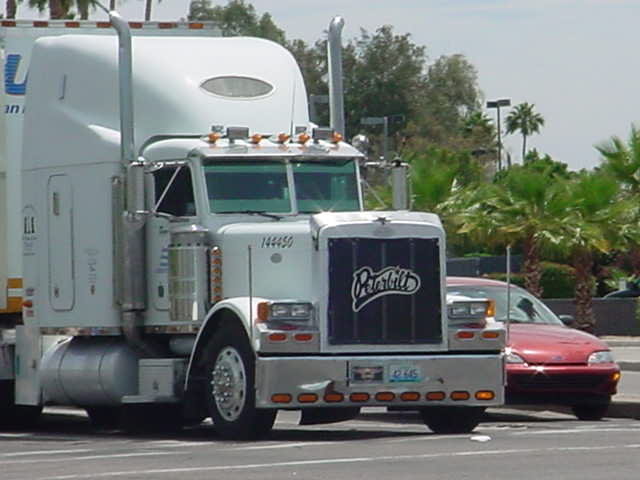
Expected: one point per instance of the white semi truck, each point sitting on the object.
(192, 247)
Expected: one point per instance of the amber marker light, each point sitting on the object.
(213, 137)
(359, 397)
(485, 395)
(333, 397)
(196, 26)
(303, 137)
(281, 398)
(283, 138)
(307, 398)
(616, 376)
(410, 396)
(256, 138)
(277, 337)
(385, 396)
(465, 335)
(491, 335)
(303, 337)
(460, 395)
(491, 308)
(336, 137)
(435, 396)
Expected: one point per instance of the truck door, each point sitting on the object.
(60, 243)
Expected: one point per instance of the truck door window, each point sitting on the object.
(178, 199)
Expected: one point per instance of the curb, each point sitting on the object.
(624, 409)
(628, 366)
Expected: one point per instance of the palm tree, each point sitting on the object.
(622, 161)
(525, 208)
(524, 120)
(597, 221)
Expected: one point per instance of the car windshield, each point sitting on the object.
(525, 308)
(263, 186)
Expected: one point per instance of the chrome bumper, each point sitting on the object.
(347, 381)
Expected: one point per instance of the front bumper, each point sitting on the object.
(412, 380)
(561, 384)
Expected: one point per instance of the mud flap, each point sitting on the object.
(317, 416)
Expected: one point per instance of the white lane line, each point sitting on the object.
(328, 461)
(44, 452)
(572, 431)
(282, 445)
(84, 458)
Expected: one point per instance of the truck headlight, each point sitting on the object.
(290, 311)
(604, 356)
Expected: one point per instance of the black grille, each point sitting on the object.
(384, 291)
(541, 381)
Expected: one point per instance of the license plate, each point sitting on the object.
(367, 374)
(404, 373)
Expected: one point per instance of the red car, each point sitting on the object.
(547, 362)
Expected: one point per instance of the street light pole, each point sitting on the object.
(503, 102)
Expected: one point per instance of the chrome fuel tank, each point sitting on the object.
(88, 371)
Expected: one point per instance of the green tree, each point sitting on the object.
(383, 75)
(525, 120)
(237, 18)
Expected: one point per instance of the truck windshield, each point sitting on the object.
(262, 186)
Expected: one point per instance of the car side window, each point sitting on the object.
(178, 199)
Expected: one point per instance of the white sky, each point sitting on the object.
(574, 59)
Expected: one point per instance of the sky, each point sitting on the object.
(574, 59)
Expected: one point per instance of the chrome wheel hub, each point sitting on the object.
(228, 383)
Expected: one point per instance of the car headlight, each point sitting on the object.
(604, 356)
(511, 357)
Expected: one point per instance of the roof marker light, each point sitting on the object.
(283, 138)
(303, 137)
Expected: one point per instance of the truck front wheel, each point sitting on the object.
(230, 392)
(452, 419)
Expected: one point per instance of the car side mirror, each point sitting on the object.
(567, 319)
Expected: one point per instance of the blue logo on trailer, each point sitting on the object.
(10, 73)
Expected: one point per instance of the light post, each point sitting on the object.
(503, 102)
(385, 122)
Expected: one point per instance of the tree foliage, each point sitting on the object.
(237, 18)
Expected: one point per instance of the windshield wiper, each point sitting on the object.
(255, 212)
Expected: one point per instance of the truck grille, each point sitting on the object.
(384, 291)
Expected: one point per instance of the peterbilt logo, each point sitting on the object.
(368, 285)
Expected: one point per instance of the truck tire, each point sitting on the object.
(452, 419)
(230, 392)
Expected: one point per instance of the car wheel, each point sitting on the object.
(230, 393)
(452, 419)
(590, 412)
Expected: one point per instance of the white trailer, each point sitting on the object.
(203, 250)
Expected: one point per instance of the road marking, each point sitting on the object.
(84, 458)
(328, 461)
(577, 430)
(282, 445)
(44, 452)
